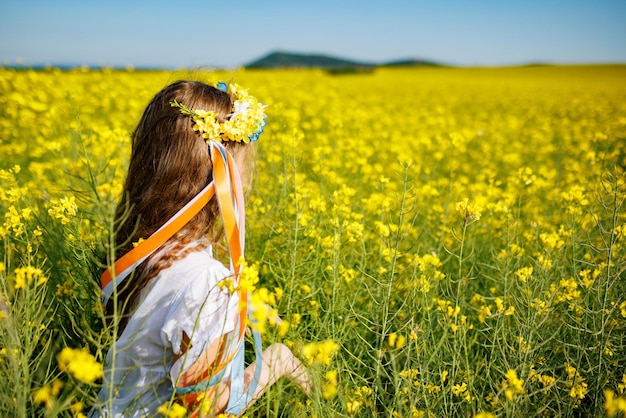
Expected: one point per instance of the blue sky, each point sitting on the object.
(194, 33)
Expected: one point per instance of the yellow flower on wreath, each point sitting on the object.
(244, 124)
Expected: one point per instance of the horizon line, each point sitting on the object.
(91, 66)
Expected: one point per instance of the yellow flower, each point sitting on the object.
(613, 404)
(546, 380)
(396, 341)
(430, 388)
(320, 353)
(43, 396)
(512, 385)
(458, 390)
(296, 318)
(576, 198)
(576, 383)
(444, 376)
(499, 305)
(261, 311)
(80, 364)
(469, 212)
(544, 261)
(172, 411)
(477, 299)
(453, 312)
(417, 413)
(283, 327)
(551, 240)
(589, 277)
(347, 274)
(621, 387)
(578, 390)
(62, 208)
(483, 312)
(46, 394)
(353, 407)
(365, 390)
(330, 387)
(57, 385)
(27, 274)
(77, 408)
(526, 176)
(571, 371)
(524, 273)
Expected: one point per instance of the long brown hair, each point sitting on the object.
(169, 165)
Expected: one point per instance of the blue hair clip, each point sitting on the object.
(222, 86)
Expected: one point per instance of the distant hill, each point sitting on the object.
(291, 60)
(294, 60)
(412, 63)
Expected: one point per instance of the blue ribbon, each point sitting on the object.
(239, 398)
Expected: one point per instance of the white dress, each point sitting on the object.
(139, 371)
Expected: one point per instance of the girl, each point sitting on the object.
(180, 327)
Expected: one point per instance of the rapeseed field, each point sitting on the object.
(440, 242)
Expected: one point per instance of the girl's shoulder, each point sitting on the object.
(197, 272)
(197, 262)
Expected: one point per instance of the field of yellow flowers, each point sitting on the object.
(439, 242)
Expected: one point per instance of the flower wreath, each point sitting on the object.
(244, 124)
